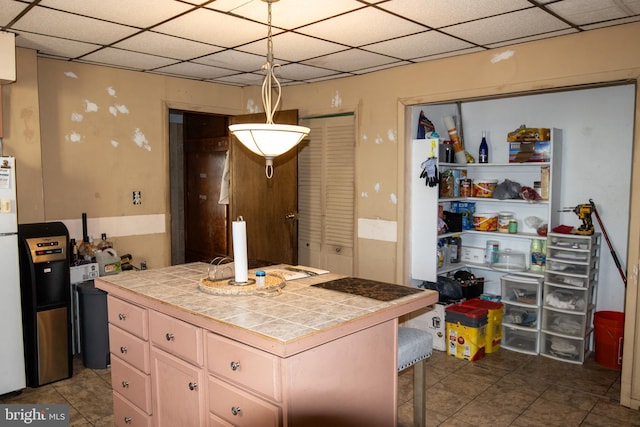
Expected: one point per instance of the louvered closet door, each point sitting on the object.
(326, 194)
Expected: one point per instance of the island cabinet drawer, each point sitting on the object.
(177, 337)
(244, 365)
(129, 348)
(131, 383)
(128, 316)
(240, 408)
(126, 414)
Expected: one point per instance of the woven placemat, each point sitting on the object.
(273, 286)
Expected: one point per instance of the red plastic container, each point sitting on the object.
(494, 325)
(609, 334)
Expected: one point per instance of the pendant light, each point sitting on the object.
(269, 139)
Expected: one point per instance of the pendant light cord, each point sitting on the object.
(269, 106)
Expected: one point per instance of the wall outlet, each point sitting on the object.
(137, 197)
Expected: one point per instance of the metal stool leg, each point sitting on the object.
(419, 404)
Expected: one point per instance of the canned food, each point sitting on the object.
(446, 184)
(465, 187)
(503, 221)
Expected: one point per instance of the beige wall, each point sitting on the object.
(21, 125)
(86, 137)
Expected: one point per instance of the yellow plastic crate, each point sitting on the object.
(466, 342)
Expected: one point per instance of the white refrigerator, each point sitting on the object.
(12, 370)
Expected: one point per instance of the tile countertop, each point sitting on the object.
(282, 324)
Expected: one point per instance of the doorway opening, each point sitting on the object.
(198, 146)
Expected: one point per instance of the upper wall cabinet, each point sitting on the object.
(7, 57)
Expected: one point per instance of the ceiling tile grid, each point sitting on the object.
(224, 41)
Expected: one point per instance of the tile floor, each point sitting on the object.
(504, 388)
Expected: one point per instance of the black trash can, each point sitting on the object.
(94, 329)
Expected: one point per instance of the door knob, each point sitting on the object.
(291, 216)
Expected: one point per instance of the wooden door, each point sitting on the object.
(205, 148)
(269, 206)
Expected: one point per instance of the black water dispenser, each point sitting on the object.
(46, 302)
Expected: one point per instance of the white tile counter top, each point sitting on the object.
(297, 314)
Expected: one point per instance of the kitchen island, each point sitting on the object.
(303, 356)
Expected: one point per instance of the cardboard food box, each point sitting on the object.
(529, 145)
(467, 209)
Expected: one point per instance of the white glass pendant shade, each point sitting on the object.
(268, 139)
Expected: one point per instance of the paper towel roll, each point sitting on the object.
(239, 231)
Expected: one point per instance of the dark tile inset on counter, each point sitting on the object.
(368, 288)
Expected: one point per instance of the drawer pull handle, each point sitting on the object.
(127, 420)
(123, 349)
(235, 366)
(169, 336)
(193, 386)
(122, 316)
(235, 410)
(125, 384)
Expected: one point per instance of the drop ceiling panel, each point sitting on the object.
(614, 22)
(419, 45)
(213, 27)
(287, 14)
(381, 67)
(242, 79)
(533, 38)
(194, 71)
(9, 11)
(295, 71)
(431, 12)
(139, 13)
(350, 60)
(449, 54)
(362, 27)
(314, 40)
(233, 60)
(53, 46)
(582, 13)
(168, 46)
(128, 59)
(512, 26)
(72, 27)
(294, 47)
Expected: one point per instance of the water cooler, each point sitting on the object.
(46, 302)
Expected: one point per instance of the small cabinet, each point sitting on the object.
(179, 391)
(570, 289)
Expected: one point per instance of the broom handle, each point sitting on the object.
(606, 237)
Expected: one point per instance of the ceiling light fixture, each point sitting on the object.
(269, 139)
